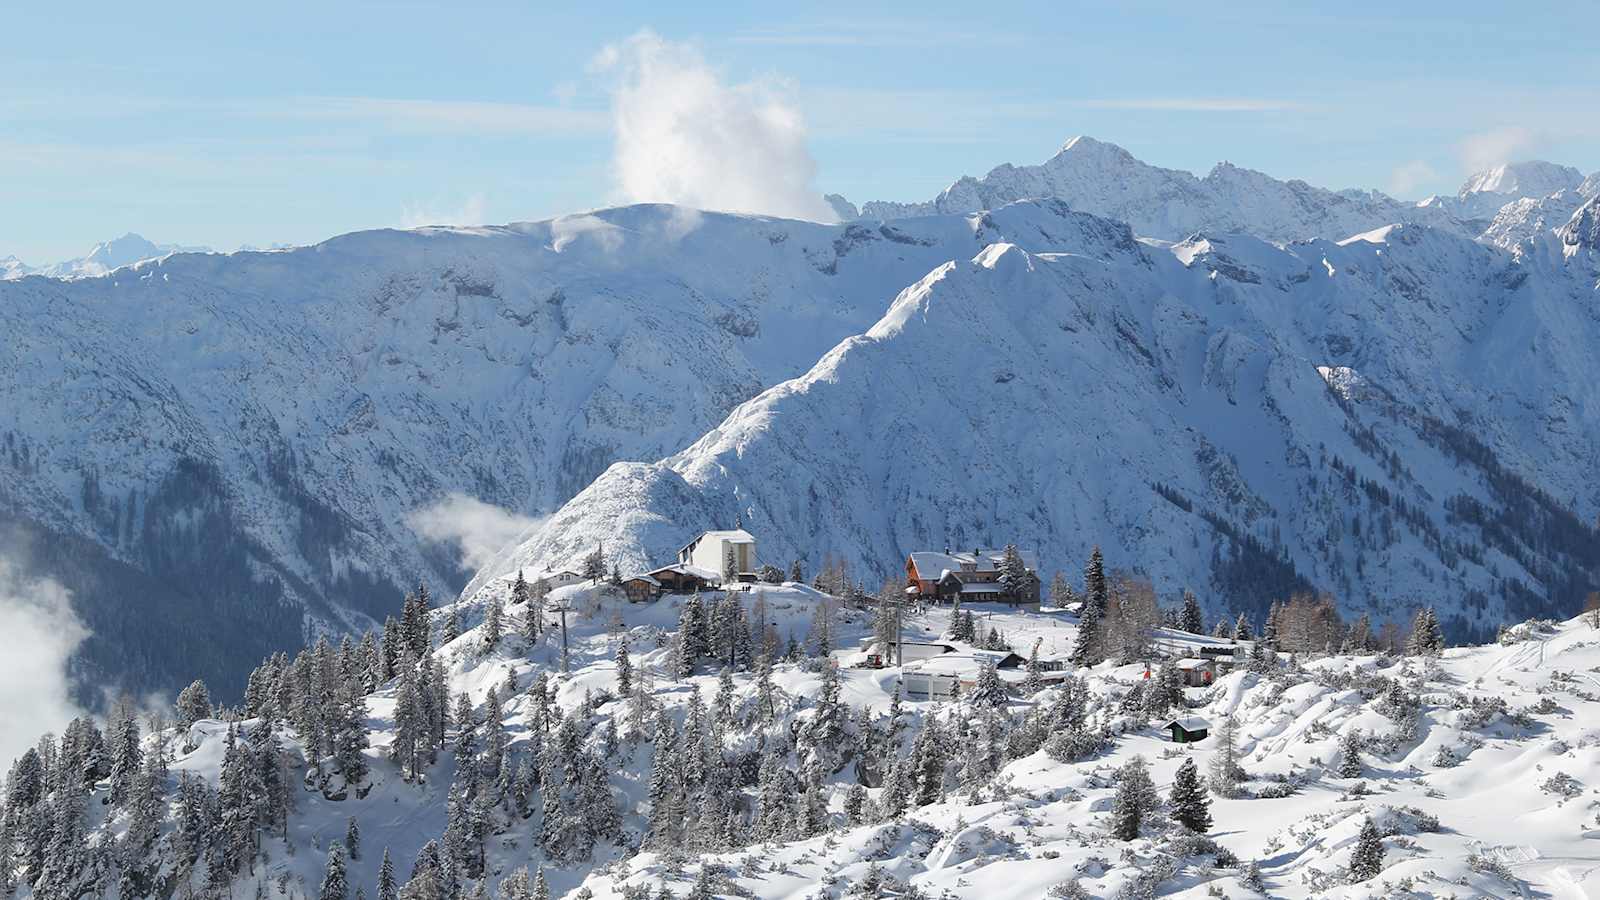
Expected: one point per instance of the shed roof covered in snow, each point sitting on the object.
(928, 562)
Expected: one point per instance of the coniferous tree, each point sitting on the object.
(594, 565)
(624, 670)
(452, 623)
(1094, 583)
(796, 574)
(1241, 628)
(1350, 754)
(388, 888)
(1014, 574)
(194, 703)
(520, 593)
(352, 838)
(491, 624)
(335, 885)
(1132, 800)
(1189, 619)
(1086, 645)
(1191, 807)
(1034, 682)
(989, 691)
(1426, 638)
(1366, 862)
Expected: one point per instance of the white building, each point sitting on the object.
(552, 578)
(709, 551)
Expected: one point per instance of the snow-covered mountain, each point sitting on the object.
(1355, 417)
(105, 257)
(209, 446)
(1106, 180)
(1486, 192)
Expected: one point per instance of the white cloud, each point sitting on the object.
(42, 632)
(683, 135)
(1407, 178)
(470, 212)
(480, 529)
(1488, 149)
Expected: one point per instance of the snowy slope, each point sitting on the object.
(1358, 409)
(1478, 767)
(227, 433)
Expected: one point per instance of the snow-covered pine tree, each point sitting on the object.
(1426, 637)
(730, 565)
(796, 574)
(1241, 628)
(541, 888)
(1189, 619)
(989, 691)
(927, 764)
(1191, 807)
(1034, 682)
(127, 756)
(594, 565)
(391, 648)
(1350, 753)
(452, 624)
(1132, 800)
(1086, 644)
(624, 670)
(1014, 575)
(410, 726)
(1366, 861)
(194, 703)
(335, 883)
(1094, 582)
(492, 623)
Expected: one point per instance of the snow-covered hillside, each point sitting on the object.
(1249, 421)
(206, 446)
(792, 772)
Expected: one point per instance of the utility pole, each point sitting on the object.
(563, 609)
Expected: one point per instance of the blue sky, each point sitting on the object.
(224, 125)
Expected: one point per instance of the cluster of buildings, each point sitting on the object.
(929, 670)
(706, 563)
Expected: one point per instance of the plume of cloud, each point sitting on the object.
(1408, 177)
(479, 529)
(42, 632)
(1488, 149)
(472, 211)
(684, 135)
